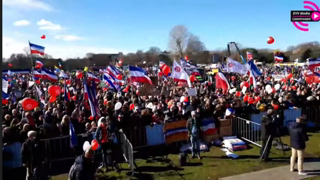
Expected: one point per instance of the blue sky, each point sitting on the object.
(75, 27)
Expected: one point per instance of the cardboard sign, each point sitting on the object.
(148, 90)
(278, 77)
(192, 92)
(154, 80)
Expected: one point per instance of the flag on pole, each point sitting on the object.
(36, 49)
(73, 136)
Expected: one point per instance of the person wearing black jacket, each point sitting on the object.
(83, 167)
(32, 156)
(298, 138)
(267, 130)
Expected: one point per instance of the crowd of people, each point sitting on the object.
(126, 107)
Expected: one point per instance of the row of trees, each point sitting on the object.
(182, 42)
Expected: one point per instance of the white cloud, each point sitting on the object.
(68, 37)
(48, 25)
(21, 23)
(10, 46)
(28, 4)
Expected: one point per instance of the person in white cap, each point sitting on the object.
(193, 126)
(83, 167)
(32, 156)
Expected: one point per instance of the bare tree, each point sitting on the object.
(178, 39)
(26, 50)
(194, 45)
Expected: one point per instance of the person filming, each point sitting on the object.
(267, 134)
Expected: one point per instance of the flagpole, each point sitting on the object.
(31, 60)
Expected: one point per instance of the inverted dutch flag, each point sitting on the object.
(37, 74)
(92, 77)
(278, 58)
(252, 79)
(36, 49)
(255, 71)
(39, 64)
(46, 74)
(91, 92)
(113, 71)
(138, 75)
(66, 92)
(73, 136)
(108, 79)
(313, 64)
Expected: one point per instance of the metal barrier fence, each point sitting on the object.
(127, 150)
(58, 148)
(312, 113)
(137, 136)
(247, 130)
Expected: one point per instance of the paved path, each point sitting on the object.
(279, 173)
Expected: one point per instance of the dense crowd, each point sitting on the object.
(127, 108)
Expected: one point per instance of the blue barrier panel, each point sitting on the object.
(155, 135)
(291, 115)
(13, 158)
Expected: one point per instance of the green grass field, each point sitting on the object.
(214, 164)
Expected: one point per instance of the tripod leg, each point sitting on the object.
(265, 147)
(282, 146)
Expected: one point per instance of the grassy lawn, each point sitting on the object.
(214, 164)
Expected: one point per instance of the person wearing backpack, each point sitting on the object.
(193, 126)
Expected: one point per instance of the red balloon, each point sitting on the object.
(119, 76)
(245, 98)
(125, 90)
(182, 84)
(233, 78)
(244, 83)
(29, 104)
(238, 93)
(257, 98)
(251, 100)
(193, 78)
(91, 118)
(68, 81)
(131, 107)
(79, 74)
(52, 99)
(10, 65)
(270, 40)
(54, 90)
(289, 76)
(166, 70)
(43, 37)
(138, 93)
(74, 97)
(160, 74)
(309, 80)
(186, 57)
(105, 102)
(5, 101)
(94, 145)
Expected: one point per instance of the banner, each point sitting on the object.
(236, 67)
(278, 77)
